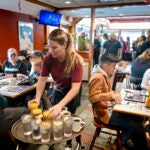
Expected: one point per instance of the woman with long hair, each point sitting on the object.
(66, 69)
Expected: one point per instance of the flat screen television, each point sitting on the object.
(50, 18)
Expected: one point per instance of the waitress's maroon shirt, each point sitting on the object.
(56, 68)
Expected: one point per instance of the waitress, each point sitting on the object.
(66, 69)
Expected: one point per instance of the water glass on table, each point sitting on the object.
(35, 125)
(45, 131)
(57, 129)
(26, 123)
(67, 125)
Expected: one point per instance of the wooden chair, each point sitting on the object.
(118, 77)
(98, 130)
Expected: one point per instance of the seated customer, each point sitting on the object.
(138, 67)
(36, 70)
(146, 80)
(23, 55)
(34, 56)
(36, 67)
(101, 95)
(12, 66)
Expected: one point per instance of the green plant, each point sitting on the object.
(83, 44)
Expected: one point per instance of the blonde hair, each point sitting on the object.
(145, 54)
(72, 57)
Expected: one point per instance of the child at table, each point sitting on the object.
(34, 73)
(36, 69)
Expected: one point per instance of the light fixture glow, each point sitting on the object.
(121, 14)
(108, 1)
(67, 2)
(115, 8)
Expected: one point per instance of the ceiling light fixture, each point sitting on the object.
(115, 8)
(106, 1)
(121, 14)
(67, 2)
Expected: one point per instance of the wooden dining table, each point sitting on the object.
(15, 91)
(133, 106)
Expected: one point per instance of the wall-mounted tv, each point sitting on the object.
(50, 18)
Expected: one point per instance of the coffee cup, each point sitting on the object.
(65, 113)
(78, 124)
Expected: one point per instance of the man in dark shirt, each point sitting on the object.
(112, 46)
(146, 44)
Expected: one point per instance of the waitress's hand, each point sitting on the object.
(55, 111)
(117, 97)
(33, 101)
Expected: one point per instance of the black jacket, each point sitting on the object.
(19, 67)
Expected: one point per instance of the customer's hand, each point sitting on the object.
(21, 77)
(55, 111)
(117, 97)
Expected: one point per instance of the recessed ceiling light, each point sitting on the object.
(115, 8)
(67, 2)
(121, 14)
